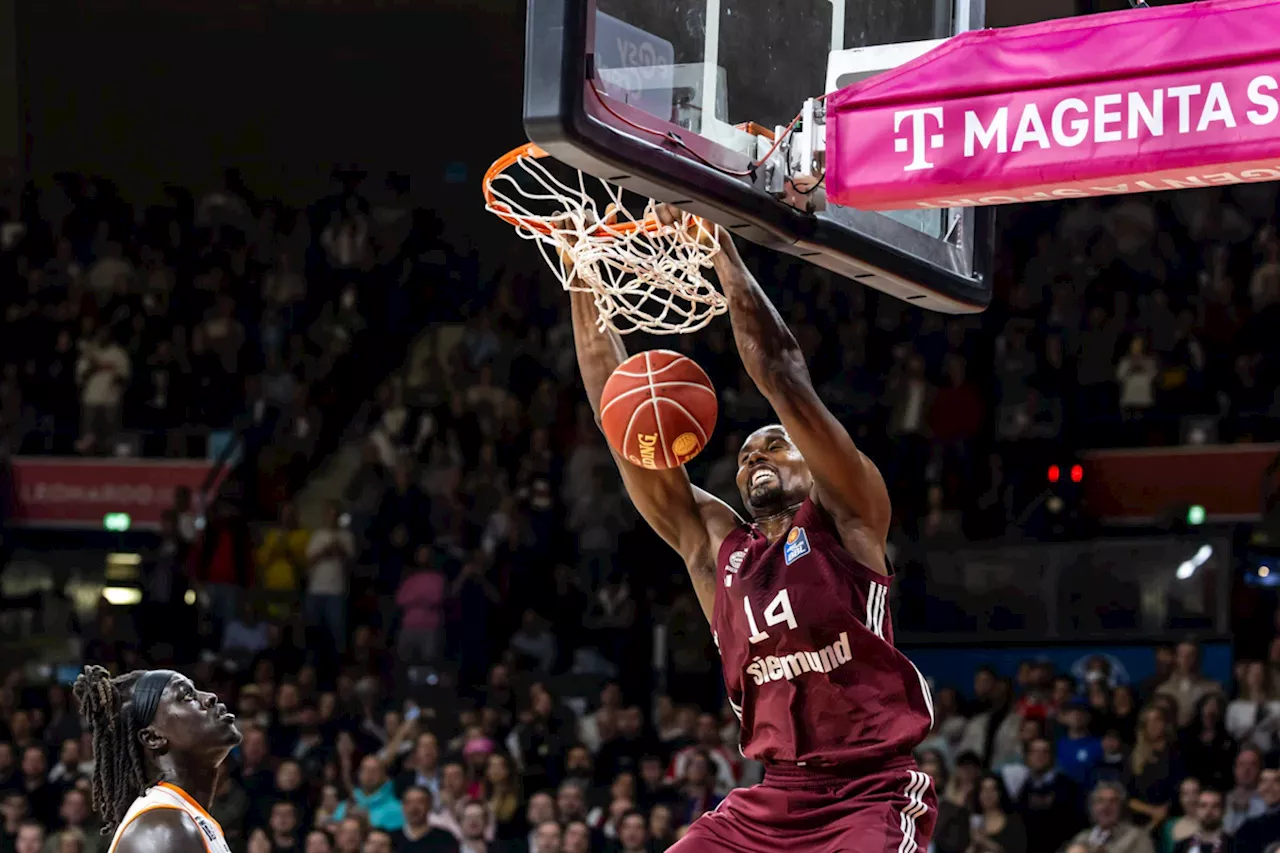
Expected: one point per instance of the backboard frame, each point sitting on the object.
(575, 123)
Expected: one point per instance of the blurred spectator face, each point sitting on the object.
(611, 696)
(633, 834)
(631, 722)
(1269, 787)
(288, 776)
(541, 809)
(1028, 730)
(259, 842)
(699, 770)
(1189, 795)
(318, 842)
(426, 752)
(1187, 659)
(983, 683)
(254, 747)
(30, 839)
(577, 838)
(329, 799)
(6, 756)
(497, 770)
(34, 764)
(1209, 811)
(660, 822)
(20, 726)
(623, 787)
(71, 841)
(69, 755)
(417, 805)
(474, 818)
(371, 776)
(570, 802)
(286, 699)
(349, 836)
(453, 779)
(578, 760)
(377, 842)
(75, 808)
(1062, 690)
(1153, 724)
(546, 838)
(1106, 807)
(13, 808)
(1039, 756)
(284, 820)
(1247, 769)
(651, 771)
(1122, 700)
(708, 732)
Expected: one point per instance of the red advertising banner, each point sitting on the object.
(1144, 484)
(79, 493)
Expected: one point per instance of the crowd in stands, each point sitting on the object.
(382, 756)
(413, 674)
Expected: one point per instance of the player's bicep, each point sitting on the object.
(846, 482)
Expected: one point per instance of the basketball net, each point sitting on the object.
(645, 275)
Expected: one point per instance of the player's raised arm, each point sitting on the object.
(846, 483)
(690, 520)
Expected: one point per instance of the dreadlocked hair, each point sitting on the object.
(119, 770)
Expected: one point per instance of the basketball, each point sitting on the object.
(658, 409)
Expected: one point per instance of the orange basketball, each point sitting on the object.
(658, 409)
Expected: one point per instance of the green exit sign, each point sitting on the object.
(116, 521)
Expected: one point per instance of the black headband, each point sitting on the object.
(147, 692)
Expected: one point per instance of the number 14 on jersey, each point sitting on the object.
(777, 613)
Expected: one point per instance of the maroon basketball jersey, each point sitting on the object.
(806, 644)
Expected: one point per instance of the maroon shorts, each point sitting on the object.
(802, 811)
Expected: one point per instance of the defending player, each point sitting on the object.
(157, 746)
(797, 601)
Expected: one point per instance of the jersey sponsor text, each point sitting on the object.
(789, 667)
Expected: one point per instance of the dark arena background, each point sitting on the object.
(284, 408)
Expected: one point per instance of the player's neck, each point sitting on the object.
(776, 524)
(198, 781)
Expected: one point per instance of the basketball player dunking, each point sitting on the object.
(157, 746)
(797, 600)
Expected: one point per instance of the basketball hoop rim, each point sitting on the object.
(504, 212)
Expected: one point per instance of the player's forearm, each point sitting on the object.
(599, 353)
(769, 351)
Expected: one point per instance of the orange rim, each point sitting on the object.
(504, 212)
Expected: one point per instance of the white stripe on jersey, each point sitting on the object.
(876, 598)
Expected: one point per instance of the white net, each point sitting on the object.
(645, 275)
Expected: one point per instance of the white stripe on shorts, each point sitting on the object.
(915, 808)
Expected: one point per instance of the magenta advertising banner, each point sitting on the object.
(1134, 101)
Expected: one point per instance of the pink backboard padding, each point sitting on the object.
(1125, 102)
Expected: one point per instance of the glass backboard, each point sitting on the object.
(669, 99)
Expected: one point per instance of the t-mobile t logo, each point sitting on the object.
(920, 141)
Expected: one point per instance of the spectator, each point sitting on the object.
(1153, 765)
(1207, 749)
(1049, 802)
(421, 599)
(102, 372)
(282, 558)
(1244, 801)
(1186, 686)
(418, 835)
(1184, 825)
(375, 796)
(995, 828)
(1253, 718)
(329, 552)
(1110, 831)
(1078, 752)
(1255, 834)
(1211, 835)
